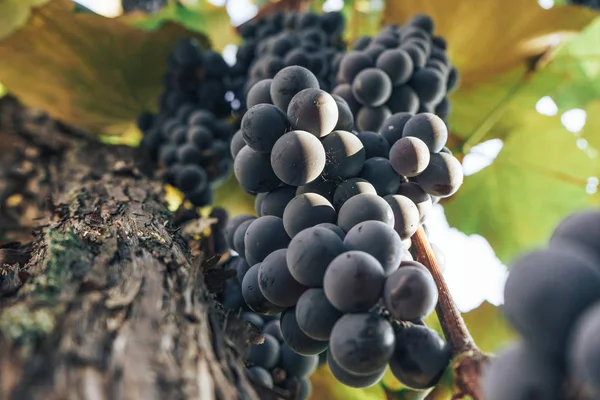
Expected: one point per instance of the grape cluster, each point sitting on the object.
(336, 211)
(552, 299)
(189, 136)
(401, 69)
(278, 40)
(272, 363)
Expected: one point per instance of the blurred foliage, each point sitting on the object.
(99, 74)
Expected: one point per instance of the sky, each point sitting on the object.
(472, 271)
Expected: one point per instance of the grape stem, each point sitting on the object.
(469, 360)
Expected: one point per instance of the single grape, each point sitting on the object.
(375, 145)
(542, 280)
(237, 143)
(334, 228)
(353, 380)
(297, 365)
(409, 156)
(453, 80)
(345, 155)
(262, 125)
(393, 127)
(259, 93)
(374, 51)
(442, 177)
(379, 240)
(288, 82)
(362, 43)
(275, 281)
(297, 57)
(321, 186)
(443, 109)
(353, 281)
(263, 236)
(266, 354)
(239, 237)
(274, 202)
(313, 110)
(420, 358)
(380, 173)
(344, 91)
(188, 153)
(372, 119)
(345, 120)
(422, 21)
(297, 340)
(349, 188)
(273, 328)
(305, 389)
(364, 207)
(261, 375)
(298, 158)
(241, 268)
(199, 136)
(362, 343)
(372, 87)
(410, 293)
(397, 64)
(418, 196)
(584, 349)
(315, 314)
(429, 128)
(352, 64)
(253, 297)
(232, 296)
(253, 171)
(306, 210)
(518, 373)
(310, 252)
(581, 228)
(168, 154)
(406, 215)
(190, 177)
(233, 224)
(416, 53)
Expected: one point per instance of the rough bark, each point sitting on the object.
(107, 301)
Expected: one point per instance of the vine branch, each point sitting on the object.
(469, 360)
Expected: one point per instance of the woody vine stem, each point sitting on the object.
(469, 359)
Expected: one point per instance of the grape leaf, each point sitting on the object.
(14, 14)
(539, 176)
(196, 16)
(490, 37)
(92, 72)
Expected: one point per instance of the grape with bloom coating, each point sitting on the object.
(297, 158)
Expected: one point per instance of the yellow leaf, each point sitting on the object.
(14, 14)
(92, 72)
(326, 387)
(488, 37)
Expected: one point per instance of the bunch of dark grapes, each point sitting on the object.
(272, 363)
(336, 211)
(552, 299)
(593, 4)
(190, 137)
(279, 40)
(402, 69)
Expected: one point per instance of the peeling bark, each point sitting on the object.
(107, 302)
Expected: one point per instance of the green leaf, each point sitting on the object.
(492, 36)
(539, 176)
(489, 328)
(14, 14)
(92, 72)
(197, 16)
